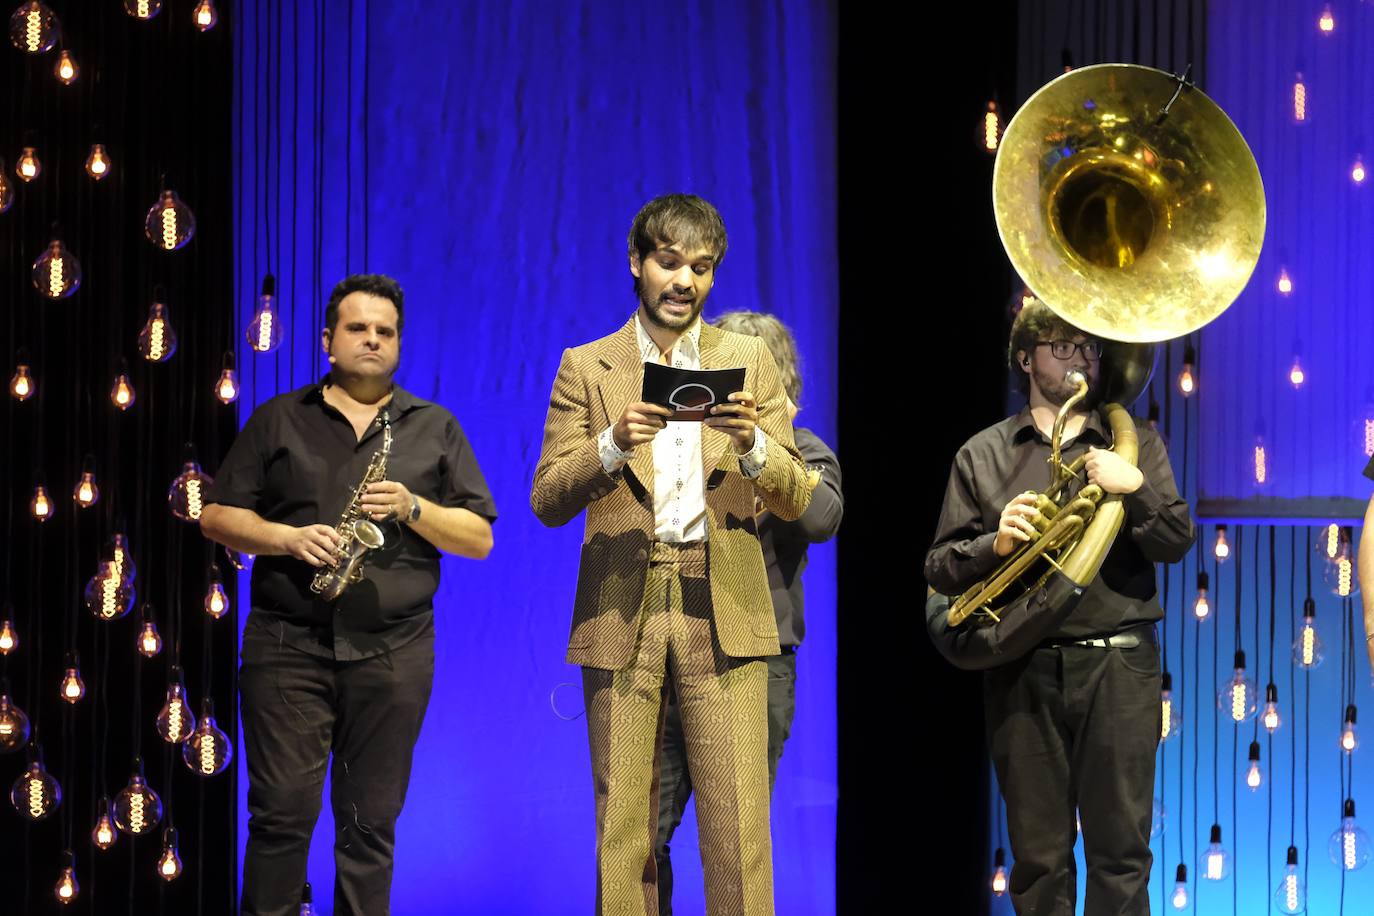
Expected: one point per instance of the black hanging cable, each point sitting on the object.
(348, 148)
(1293, 685)
(1307, 736)
(1216, 672)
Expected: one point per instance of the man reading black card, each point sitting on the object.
(690, 393)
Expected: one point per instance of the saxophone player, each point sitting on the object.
(1074, 723)
(349, 677)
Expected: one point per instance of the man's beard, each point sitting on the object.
(1057, 390)
(652, 306)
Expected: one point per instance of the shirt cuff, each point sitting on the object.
(751, 462)
(612, 458)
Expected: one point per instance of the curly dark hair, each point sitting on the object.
(373, 284)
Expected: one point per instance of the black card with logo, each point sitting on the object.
(689, 393)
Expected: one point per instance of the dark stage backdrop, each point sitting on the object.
(491, 157)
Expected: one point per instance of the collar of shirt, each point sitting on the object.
(401, 402)
(1092, 429)
(688, 344)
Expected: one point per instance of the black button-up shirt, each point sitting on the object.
(298, 461)
(1011, 457)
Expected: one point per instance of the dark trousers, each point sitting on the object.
(299, 708)
(675, 781)
(1076, 727)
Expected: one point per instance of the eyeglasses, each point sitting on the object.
(1064, 349)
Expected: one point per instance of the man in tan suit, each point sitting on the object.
(672, 592)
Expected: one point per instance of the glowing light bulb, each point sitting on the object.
(227, 386)
(204, 16)
(103, 834)
(1357, 172)
(1339, 572)
(1202, 608)
(1326, 23)
(143, 9)
(1349, 844)
(1237, 696)
(66, 70)
(56, 273)
(158, 340)
(1254, 776)
(35, 794)
(208, 752)
(1331, 541)
(990, 131)
(1307, 648)
(120, 557)
(1369, 437)
(66, 888)
(137, 809)
(1221, 549)
(41, 505)
(999, 872)
(1296, 375)
(122, 393)
(216, 601)
(1284, 284)
(86, 494)
(1171, 713)
(108, 595)
(1291, 895)
(1215, 860)
(1349, 739)
(1271, 720)
(169, 863)
(34, 28)
(14, 723)
(9, 637)
(170, 224)
(265, 330)
(1299, 99)
(175, 721)
(22, 385)
(1261, 462)
(149, 640)
(1179, 898)
(1186, 383)
(73, 688)
(186, 496)
(27, 166)
(98, 162)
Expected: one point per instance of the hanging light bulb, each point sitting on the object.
(1254, 776)
(1326, 23)
(122, 392)
(1349, 740)
(86, 494)
(121, 557)
(1261, 462)
(170, 224)
(1271, 719)
(186, 496)
(1339, 571)
(1221, 549)
(1307, 648)
(1202, 608)
(1357, 172)
(35, 793)
(34, 28)
(98, 162)
(157, 341)
(14, 724)
(1291, 895)
(1179, 898)
(1171, 713)
(307, 901)
(22, 385)
(216, 601)
(9, 637)
(27, 166)
(990, 130)
(1330, 543)
(103, 834)
(1296, 375)
(208, 751)
(66, 888)
(175, 721)
(265, 330)
(227, 386)
(56, 273)
(1349, 844)
(149, 640)
(999, 872)
(169, 863)
(143, 9)
(1299, 99)
(41, 505)
(72, 688)
(1237, 697)
(204, 16)
(108, 595)
(137, 809)
(1284, 284)
(1215, 861)
(66, 70)
(1187, 383)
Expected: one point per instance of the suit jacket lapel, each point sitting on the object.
(716, 353)
(622, 384)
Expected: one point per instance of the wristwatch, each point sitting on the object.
(414, 515)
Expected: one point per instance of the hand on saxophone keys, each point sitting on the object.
(386, 500)
(317, 545)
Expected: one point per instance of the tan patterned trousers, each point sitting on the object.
(724, 719)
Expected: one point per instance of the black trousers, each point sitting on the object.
(1076, 727)
(675, 780)
(299, 708)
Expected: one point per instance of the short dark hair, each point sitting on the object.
(776, 337)
(379, 285)
(1033, 323)
(678, 219)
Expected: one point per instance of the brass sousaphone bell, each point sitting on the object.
(1131, 206)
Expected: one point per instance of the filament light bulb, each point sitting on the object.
(1307, 648)
(216, 601)
(86, 494)
(143, 9)
(1299, 99)
(41, 505)
(27, 166)
(1349, 845)
(103, 834)
(66, 888)
(1271, 719)
(56, 273)
(999, 872)
(204, 16)
(157, 341)
(170, 224)
(1291, 895)
(990, 132)
(227, 386)
(1237, 696)
(1179, 898)
(1357, 172)
(108, 595)
(169, 863)
(34, 28)
(9, 637)
(98, 162)
(137, 809)
(1171, 713)
(1202, 608)
(149, 639)
(1326, 23)
(22, 385)
(122, 392)
(73, 688)
(14, 724)
(208, 751)
(186, 496)
(35, 794)
(175, 721)
(265, 331)
(1349, 739)
(1284, 284)
(1216, 861)
(1296, 375)
(66, 70)
(1261, 462)
(1221, 549)
(1254, 776)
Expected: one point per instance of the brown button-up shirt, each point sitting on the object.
(1011, 457)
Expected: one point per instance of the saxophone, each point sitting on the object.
(357, 532)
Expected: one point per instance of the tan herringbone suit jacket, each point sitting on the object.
(595, 382)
